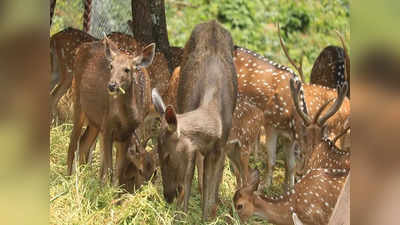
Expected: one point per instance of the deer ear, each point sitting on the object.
(147, 55)
(157, 101)
(110, 49)
(170, 117)
(254, 180)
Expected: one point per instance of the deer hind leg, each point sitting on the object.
(121, 161)
(86, 141)
(74, 138)
(271, 142)
(290, 165)
(213, 171)
(60, 89)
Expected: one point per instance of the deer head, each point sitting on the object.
(313, 130)
(172, 150)
(125, 68)
(244, 198)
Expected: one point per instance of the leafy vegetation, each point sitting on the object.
(307, 26)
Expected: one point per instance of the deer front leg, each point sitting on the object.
(121, 161)
(106, 171)
(290, 165)
(188, 180)
(272, 136)
(213, 170)
(200, 170)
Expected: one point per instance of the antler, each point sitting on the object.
(295, 90)
(300, 68)
(342, 91)
(345, 54)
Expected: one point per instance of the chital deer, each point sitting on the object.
(332, 67)
(111, 90)
(206, 99)
(62, 54)
(312, 199)
(318, 151)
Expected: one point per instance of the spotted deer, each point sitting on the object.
(311, 201)
(318, 151)
(332, 67)
(62, 54)
(111, 91)
(206, 99)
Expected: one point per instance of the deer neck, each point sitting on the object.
(275, 211)
(326, 155)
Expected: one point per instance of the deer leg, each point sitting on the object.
(244, 161)
(271, 141)
(188, 180)
(106, 149)
(74, 138)
(232, 148)
(121, 161)
(60, 89)
(213, 170)
(86, 141)
(290, 165)
(200, 170)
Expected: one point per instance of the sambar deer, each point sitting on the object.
(111, 90)
(312, 200)
(206, 99)
(62, 54)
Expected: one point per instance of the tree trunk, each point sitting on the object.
(149, 25)
(52, 7)
(87, 15)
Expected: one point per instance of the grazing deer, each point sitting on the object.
(141, 165)
(332, 67)
(312, 200)
(206, 99)
(111, 90)
(62, 54)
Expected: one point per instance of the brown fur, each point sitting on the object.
(102, 71)
(206, 98)
(62, 53)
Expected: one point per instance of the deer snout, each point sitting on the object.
(112, 86)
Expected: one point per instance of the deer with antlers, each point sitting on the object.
(314, 196)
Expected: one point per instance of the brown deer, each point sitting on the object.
(111, 90)
(332, 67)
(317, 150)
(141, 166)
(312, 200)
(206, 99)
(266, 85)
(62, 54)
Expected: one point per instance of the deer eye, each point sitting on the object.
(127, 70)
(239, 207)
(110, 66)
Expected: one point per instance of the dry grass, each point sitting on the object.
(82, 199)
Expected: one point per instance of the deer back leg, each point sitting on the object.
(85, 143)
(74, 138)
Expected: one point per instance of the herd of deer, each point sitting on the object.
(216, 103)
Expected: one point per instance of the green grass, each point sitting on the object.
(82, 199)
